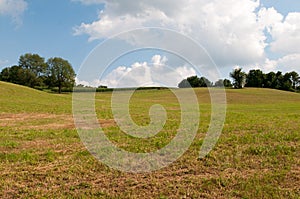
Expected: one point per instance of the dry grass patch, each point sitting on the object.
(37, 121)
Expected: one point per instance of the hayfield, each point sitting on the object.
(257, 155)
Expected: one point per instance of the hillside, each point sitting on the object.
(257, 155)
(15, 99)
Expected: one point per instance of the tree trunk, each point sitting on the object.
(59, 87)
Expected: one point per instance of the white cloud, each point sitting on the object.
(284, 31)
(268, 17)
(141, 74)
(89, 2)
(286, 63)
(233, 32)
(286, 35)
(289, 62)
(14, 9)
(228, 29)
(95, 83)
(269, 65)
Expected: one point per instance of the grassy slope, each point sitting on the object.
(17, 99)
(257, 155)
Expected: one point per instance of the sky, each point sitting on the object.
(250, 34)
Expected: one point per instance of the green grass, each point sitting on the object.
(19, 99)
(257, 155)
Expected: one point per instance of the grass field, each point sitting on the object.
(257, 155)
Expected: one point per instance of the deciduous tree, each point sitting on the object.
(238, 77)
(60, 73)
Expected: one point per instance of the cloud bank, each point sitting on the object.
(143, 74)
(235, 33)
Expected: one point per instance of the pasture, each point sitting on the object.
(257, 155)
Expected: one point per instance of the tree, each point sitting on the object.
(204, 82)
(219, 83)
(184, 84)
(60, 73)
(5, 75)
(34, 63)
(255, 78)
(270, 80)
(17, 75)
(295, 79)
(194, 81)
(227, 83)
(287, 83)
(238, 77)
(278, 80)
(34, 69)
(223, 83)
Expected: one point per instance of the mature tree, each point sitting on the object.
(278, 81)
(194, 81)
(238, 77)
(60, 73)
(34, 63)
(5, 75)
(270, 80)
(204, 82)
(219, 83)
(223, 83)
(287, 83)
(34, 69)
(184, 84)
(255, 78)
(227, 83)
(295, 79)
(17, 75)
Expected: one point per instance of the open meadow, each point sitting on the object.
(257, 155)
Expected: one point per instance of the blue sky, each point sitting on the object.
(47, 29)
(72, 28)
(283, 7)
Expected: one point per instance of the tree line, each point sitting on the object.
(289, 81)
(57, 73)
(256, 78)
(195, 81)
(33, 71)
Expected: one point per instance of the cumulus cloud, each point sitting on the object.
(14, 9)
(285, 39)
(233, 32)
(286, 63)
(227, 29)
(289, 62)
(286, 35)
(269, 17)
(143, 74)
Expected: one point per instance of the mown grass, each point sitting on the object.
(257, 155)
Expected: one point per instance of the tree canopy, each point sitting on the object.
(239, 78)
(195, 81)
(34, 72)
(289, 81)
(60, 73)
